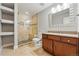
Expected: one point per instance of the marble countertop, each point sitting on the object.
(61, 34)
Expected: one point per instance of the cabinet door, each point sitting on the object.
(58, 48)
(63, 49)
(50, 45)
(47, 44)
(70, 50)
(44, 43)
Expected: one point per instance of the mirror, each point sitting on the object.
(60, 19)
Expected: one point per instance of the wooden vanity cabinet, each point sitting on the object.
(70, 50)
(47, 44)
(69, 40)
(70, 46)
(58, 48)
(60, 45)
(44, 41)
(50, 46)
(63, 49)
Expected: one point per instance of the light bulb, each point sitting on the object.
(58, 8)
(53, 10)
(65, 5)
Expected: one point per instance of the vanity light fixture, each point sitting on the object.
(58, 8)
(65, 6)
(53, 10)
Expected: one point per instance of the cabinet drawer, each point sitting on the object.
(69, 40)
(44, 36)
(53, 37)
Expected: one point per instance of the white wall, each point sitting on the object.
(43, 23)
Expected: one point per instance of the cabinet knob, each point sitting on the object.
(68, 40)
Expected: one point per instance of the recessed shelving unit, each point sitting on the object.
(7, 24)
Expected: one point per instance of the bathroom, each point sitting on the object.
(32, 24)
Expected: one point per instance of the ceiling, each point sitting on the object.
(32, 8)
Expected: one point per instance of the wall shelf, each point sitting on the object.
(8, 24)
(6, 9)
(6, 33)
(7, 21)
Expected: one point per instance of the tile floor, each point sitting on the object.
(24, 50)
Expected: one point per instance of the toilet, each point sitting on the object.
(37, 41)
